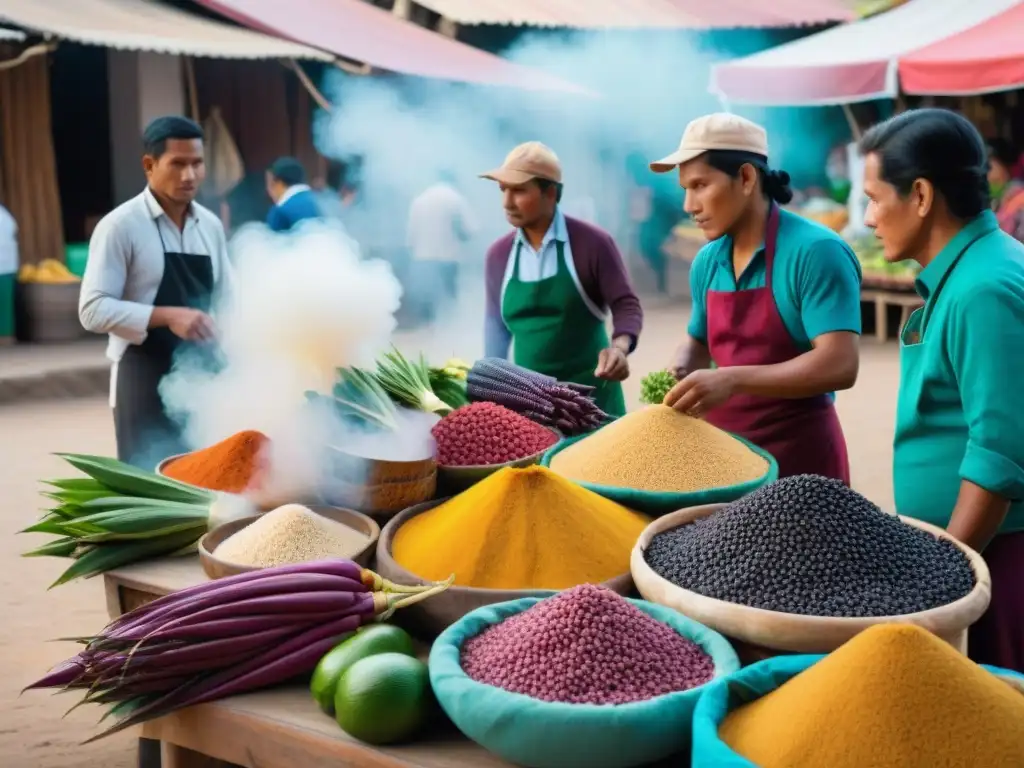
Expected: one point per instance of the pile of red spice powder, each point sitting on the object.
(233, 465)
(485, 433)
(586, 645)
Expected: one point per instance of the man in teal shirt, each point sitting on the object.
(959, 443)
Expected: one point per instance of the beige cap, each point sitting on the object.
(717, 131)
(528, 161)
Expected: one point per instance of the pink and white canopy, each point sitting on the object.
(922, 47)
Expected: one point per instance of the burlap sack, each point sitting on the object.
(791, 632)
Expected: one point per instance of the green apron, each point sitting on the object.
(555, 333)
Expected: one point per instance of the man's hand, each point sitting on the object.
(612, 364)
(185, 323)
(701, 391)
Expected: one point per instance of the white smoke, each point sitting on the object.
(301, 305)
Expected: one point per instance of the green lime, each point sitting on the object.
(383, 699)
(371, 640)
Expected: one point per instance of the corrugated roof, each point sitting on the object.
(362, 32)
(638, 14)
(144, 25)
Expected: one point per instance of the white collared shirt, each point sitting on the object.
(440, 221)
(8, 242)
(126, 265)
(291, 192)
(540, 264)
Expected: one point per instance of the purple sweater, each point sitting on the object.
(602, 274)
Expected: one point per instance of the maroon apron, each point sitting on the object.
(745, 328)
(998, 636)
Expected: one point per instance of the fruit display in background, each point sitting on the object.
(47, 271)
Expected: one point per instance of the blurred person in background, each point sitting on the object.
(8, 274)
(657, 209)
(552, 282)
(1006, 188)
(958, 457)
(440, 223)
(776, 304)
(155, 263)
(294, 200)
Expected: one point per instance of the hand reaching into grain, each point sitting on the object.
(701, 391)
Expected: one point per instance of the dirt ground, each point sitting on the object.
(32, 733)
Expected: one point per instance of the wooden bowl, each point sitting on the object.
(429, 618)
(382, 500)
(216, 568)
(452, 479)
(357, 470)
(264, 500)
(765, 631)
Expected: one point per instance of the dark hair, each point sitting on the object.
(774, 183)
(546, 184)
(1002, 151)
(164, 129)
(288, 171)
(939, 146)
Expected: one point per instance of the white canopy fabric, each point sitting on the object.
(11, 34)
(144, 25)
(849, 63)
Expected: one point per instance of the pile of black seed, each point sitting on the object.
(812, 546)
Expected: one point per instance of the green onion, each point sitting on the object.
(409, 383)
(357, 394)
(118, 515)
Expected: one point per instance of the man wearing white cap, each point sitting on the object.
(552, 282)
(776, 304)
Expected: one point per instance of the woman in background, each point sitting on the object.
(1006, 187)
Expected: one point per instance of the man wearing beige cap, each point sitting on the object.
(552, 282)
(776, 304)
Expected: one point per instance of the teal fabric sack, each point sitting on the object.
(661, 503)
(541, 734)
(726, 694)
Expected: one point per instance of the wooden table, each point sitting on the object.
(883, 299)
(279, 728)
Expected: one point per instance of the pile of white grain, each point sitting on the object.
(290, 534)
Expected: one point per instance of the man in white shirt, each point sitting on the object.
(155, 264)
(440, 223)
(8, 273)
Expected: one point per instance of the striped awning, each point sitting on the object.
(145, 25)
(644, 14)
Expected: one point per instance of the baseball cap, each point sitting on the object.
(528, 161)
(720, 130)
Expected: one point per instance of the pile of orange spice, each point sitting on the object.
(232, 465)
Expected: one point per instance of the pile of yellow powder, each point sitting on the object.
(895, 695)
(521, 529)
(290, 534)
(659, 449)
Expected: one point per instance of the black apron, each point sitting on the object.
(145, 434)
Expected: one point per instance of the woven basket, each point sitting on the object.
(793, 633)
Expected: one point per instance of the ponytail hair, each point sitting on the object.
(774, 183)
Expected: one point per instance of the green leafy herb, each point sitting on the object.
(655, 385)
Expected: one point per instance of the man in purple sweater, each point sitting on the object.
(552, 282)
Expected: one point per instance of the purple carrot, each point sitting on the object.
(62, 675)
(338, 567)
(210, 649)
(290, 603)
(272, 585)
(261, 671)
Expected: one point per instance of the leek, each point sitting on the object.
(409, 383)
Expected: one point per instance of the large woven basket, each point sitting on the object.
(793, 633)
(431, 617)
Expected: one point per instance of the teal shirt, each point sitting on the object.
(815, 280)
(960, 415)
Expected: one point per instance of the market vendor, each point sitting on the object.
(776, 304)
(154, 264)
(958, 449)
(1006, 187)
(552, 282)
